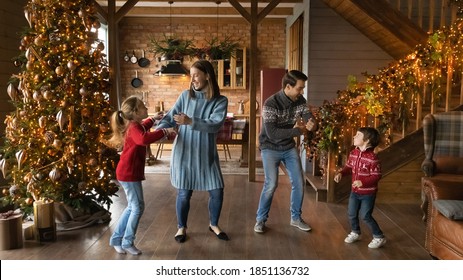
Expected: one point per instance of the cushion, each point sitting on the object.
(452, 209)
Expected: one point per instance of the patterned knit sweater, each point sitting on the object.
(279, 114)
(195, 162)
(363, 166)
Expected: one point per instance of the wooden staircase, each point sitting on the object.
(386, 26)
(397, 34)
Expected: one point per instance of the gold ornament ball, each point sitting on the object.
(59, 70)
(101, 46)
(29, 201)
(83, 91)
(30, 65)
(57, 144)
(71, 65)
(92, 162)
(37, 95)
(96, 24)
(17, 63)
(38, 41)
(48, 95)
(38, 78)
(5, 192)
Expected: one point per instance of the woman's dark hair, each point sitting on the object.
(291, 78)
(371, 134)
(206, 67)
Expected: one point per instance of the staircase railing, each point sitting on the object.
(430, 15)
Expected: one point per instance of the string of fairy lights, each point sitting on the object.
(389, 100)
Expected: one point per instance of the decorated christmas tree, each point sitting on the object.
(55, 139)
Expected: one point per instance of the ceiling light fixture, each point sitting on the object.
(217, 32)
(172, 67)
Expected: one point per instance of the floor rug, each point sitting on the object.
(231, 167)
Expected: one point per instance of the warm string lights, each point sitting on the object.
(54, 145)
(390, 99)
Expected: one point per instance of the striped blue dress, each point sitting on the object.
(195, 162)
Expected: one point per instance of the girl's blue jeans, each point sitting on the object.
(126, 228)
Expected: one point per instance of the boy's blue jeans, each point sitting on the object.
(124, 233)
(362, 206)
(271, 160)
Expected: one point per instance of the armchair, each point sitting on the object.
(442, 185)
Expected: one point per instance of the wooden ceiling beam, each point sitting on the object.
(203, 11)
(214, 1)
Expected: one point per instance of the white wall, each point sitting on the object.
(337, 49)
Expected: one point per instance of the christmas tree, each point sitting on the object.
(55, 139)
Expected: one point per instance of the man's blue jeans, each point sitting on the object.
(271, 160)
(183, 206)
(124, 233)
(363, 205)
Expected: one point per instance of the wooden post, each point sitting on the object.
(419, 111)
(329, 173)
(448, 88)
(461, 90)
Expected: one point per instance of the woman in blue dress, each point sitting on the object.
(199, 114)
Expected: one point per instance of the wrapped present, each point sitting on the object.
(44, 221)
(11, 234)
(28, 230)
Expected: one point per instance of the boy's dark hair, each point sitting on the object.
(370, 133)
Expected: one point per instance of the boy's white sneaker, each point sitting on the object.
(352, 237)
(377, 243)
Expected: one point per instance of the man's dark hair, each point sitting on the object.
(291, 78)
(371, 134)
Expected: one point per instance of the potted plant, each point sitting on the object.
(218, 49)
(169, 48)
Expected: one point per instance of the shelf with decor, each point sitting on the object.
(231, 73)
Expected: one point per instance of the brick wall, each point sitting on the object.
(134, 34)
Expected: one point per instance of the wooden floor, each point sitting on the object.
(401, 224)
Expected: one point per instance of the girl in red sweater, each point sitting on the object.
(365, 168)
(131, 133)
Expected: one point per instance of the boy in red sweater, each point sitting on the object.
(365, 168)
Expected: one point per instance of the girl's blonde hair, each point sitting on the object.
(120, 120)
